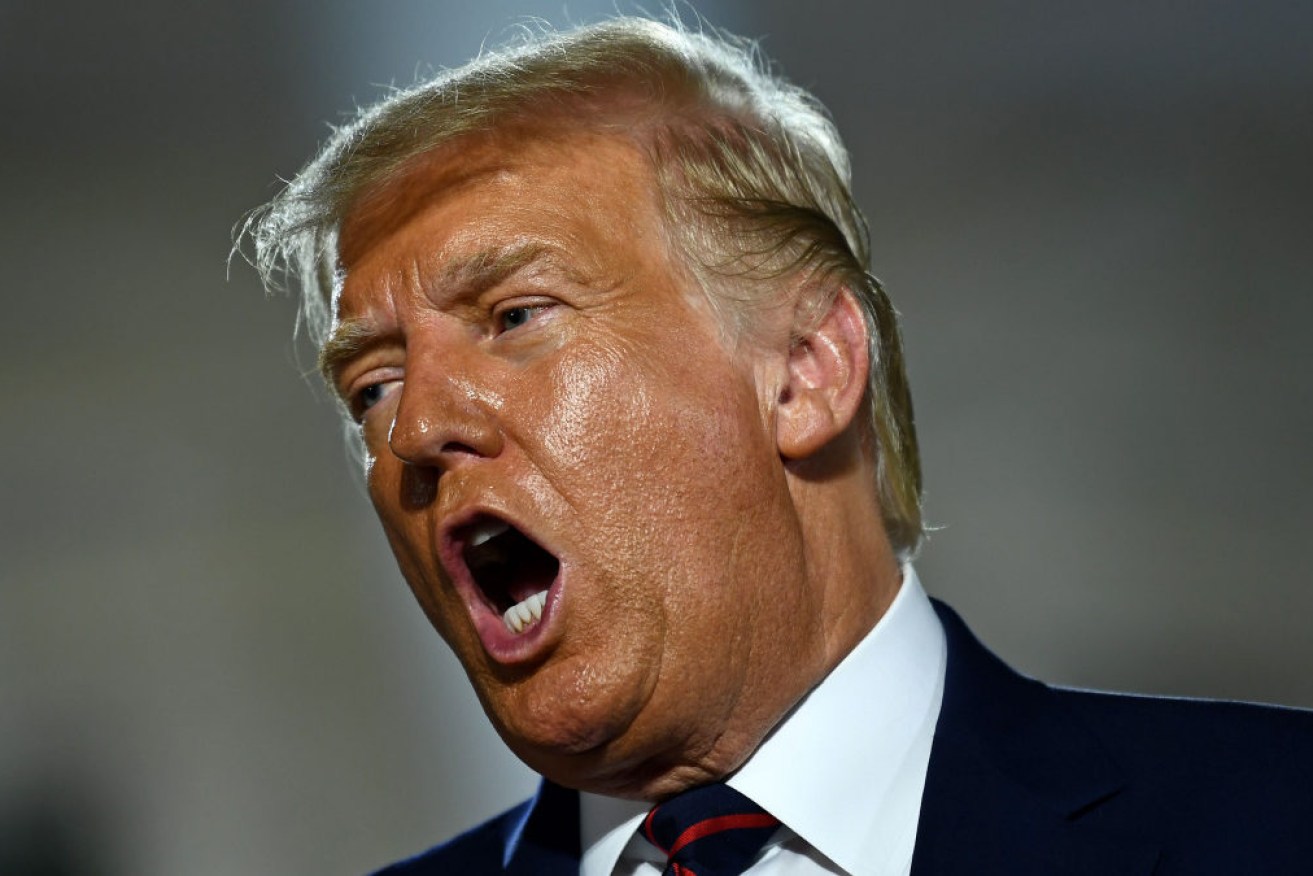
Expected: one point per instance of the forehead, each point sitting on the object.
(586, 200)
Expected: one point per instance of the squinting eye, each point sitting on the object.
(514, 317)
(368, 396)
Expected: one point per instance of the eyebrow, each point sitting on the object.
(490, 266)
(460, 279)
(349, 339)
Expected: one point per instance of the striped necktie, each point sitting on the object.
(712, 830)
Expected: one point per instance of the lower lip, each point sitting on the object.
(509, 648)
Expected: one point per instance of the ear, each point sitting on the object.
(828, 365)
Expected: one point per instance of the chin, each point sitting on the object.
(599, 752)
(633, 777)
(628, 758)
(603, 772)
(543, 725)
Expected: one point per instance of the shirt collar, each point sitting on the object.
(845, 769)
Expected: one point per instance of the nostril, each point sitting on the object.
(456, 448)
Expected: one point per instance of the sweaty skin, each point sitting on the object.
(523, 345)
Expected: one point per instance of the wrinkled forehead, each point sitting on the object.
(386, 206)
(615, 112)
(589, 200)
(594, 153)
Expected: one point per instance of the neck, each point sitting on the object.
(848, 554)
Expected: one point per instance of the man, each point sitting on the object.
(634, 418)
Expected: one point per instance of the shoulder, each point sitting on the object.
(1206, 756)
(1226, 786)
(1144, 734)
(1207, 786)
(540, 837)
(478, 850)
(1232, 732)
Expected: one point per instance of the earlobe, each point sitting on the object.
(827, 371)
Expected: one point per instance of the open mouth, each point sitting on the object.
(513, 572)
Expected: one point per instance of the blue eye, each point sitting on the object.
(514, 317)
(369, 396)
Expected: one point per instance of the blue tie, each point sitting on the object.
(709, 831)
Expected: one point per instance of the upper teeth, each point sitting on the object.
(485, 532)
(523, 614)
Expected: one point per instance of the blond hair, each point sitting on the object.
(753, 175)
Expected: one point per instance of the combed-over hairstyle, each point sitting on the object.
(752, 173)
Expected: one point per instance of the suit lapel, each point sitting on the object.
(1015, 781)
(545, 841)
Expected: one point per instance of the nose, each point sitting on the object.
(445, 417)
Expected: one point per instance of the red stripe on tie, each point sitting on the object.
(708, 826)
(651, 834)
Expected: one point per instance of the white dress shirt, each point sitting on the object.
(843, 772)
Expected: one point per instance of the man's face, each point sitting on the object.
(554, 420)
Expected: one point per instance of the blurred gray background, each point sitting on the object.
(1096, 221)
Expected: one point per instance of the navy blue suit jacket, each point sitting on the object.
(1028, 779)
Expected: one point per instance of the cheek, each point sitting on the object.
(598, 406)
(639, 397)
(654, 448)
